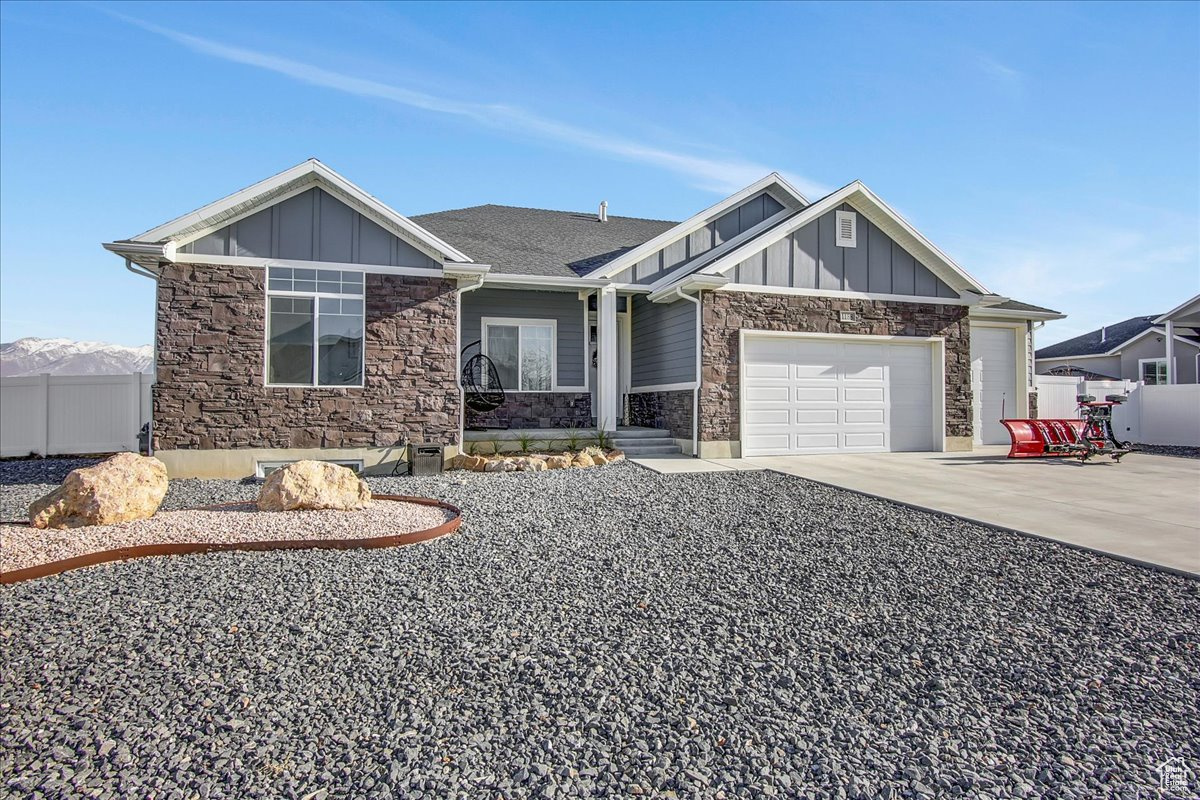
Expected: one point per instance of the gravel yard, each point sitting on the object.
(1177, 450)
(22, 546)
(604, 632)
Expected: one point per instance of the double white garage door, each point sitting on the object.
(816, 395)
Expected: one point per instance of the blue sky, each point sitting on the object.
(1052, 149)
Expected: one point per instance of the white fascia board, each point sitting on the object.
(1179, 309)
(1008, 313)
(762, 288)
(692, 283)
(131, 249)
(545, 281)
(691, 224)
(877, 212)
(454, 269)
(311, 171)
(263, 263)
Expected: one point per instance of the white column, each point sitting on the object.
(1170, 351)
(607, 383)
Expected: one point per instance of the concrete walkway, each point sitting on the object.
(1146, 508)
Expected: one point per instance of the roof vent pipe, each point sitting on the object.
(1103, 333)
(603, 211)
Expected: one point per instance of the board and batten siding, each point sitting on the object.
(809, 258)
(662, 343)
(564, 307)
(311, 226)
(700, 241)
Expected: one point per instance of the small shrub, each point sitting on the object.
(524, 442)
(574, 437)
(603, 439)
(472, 448)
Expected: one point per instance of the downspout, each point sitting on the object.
(462, 394)
(696, 390)
(145, 273)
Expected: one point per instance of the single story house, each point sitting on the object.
(303, 317)
(1137, 349)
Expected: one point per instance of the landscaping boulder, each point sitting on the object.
(582, 460)
(312, 485)
(558, 462)
(473, 463)
(125, 487)
(614, 455)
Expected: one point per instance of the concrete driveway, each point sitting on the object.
(1146, 508)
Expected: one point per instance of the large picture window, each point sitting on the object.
(523, 352)
(314, 327)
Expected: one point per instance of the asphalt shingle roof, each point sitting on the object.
(1090, 344)
(535, 241)
(1013, 305)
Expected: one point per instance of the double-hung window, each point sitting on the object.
(1154, 371)
(522, 351)
(314, 327)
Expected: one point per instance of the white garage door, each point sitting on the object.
(993, 381)
(813, 395)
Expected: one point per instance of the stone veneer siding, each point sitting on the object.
(210, 392)
(524, 410)
(667, 410)
(726, 313)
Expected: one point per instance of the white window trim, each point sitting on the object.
(551, 322)
(1142, 370)
(268, 293)
(839, 218)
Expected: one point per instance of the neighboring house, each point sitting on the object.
(302, 317)
(1136, 349)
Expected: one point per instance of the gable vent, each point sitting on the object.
(847, 229)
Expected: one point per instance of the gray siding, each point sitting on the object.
(810, 259)
(699, 242)
(311, 226)
(662, 342)
(1155, 346)
(565, 307)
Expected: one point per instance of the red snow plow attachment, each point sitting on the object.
(1079, 438)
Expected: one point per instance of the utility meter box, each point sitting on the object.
(425, 458)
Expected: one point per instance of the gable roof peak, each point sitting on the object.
(282, 185)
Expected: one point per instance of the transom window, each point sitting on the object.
(1154, 371)
(522, 351)
(314, 327)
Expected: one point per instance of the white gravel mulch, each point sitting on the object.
(22, 546)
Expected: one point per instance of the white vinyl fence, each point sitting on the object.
(65, 414)
(1151, 415)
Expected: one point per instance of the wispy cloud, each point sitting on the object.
(1008, 78)
(715, 174)
(1096, 275)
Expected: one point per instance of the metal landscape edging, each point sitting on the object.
(181, 548)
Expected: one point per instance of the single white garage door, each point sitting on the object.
(993, 381)
(816, 395)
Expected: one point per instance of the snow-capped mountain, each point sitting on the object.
(31, 356)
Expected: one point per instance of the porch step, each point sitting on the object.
(639, 450)
(645, 442)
